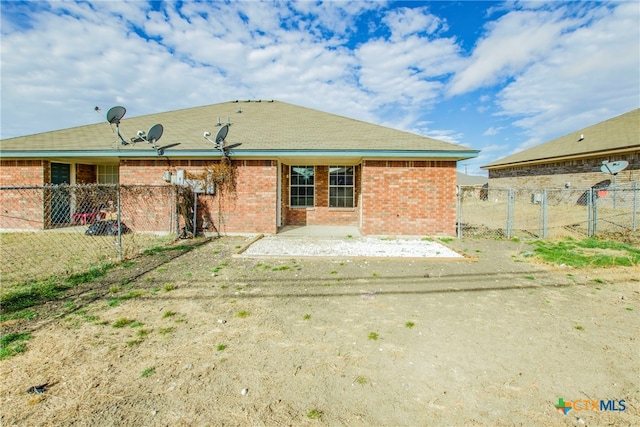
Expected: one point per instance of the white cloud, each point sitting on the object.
(493, 131)
(589, 76)
(513, 42)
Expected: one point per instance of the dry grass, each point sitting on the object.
(37, 255)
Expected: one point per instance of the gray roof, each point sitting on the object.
(619, 134)
(263, 128)
(464, 179)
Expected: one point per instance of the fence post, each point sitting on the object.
(543, 208)
(635, 204)
(594, 205)
(195, 213)
(459, 213)
(510, 199)
(118, 207)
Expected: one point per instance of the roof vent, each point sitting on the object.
(581, 137)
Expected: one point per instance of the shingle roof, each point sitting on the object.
(619, 133)
(259, 126)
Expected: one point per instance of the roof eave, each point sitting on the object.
(239, 154)
(560, 158)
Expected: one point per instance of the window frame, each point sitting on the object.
(352, 186)
(298, 197)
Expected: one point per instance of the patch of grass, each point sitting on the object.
(590, 252)
(148, 372)
(596, 280)
(136, 324)
(530, 277)
(127, 264)
(374, 274)
(629, 308)
(168, 313)
(579, 327)
(169, 287)
(114, 289)
(242, 314)
(361, 380)
(306, 317)
(132, 294)
(12, 344)
(333, 272)
(281, 268)
(515, 240)
(161, 269)
(161, 249)
(131, 343)
(262, 266)
(373, 336)
(24, 314)
(221, 347)
(143, 332)
(409, 325)
(446, 239)
(165, 331)
(114, 302)
(122, 322)
(314, 414)
(29, 294)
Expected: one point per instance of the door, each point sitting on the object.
(60, 197)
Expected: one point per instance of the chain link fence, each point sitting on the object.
(489, 212)
(60, 230)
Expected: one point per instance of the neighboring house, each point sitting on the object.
(574, 160)
(466, 180)
(294, 166)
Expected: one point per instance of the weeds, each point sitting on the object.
(409, 325)
(306, 317)
(590, 252)
(148, 372)
(314, 414)
(122, 322)
(28, 294)
(361, 380)
(242, 314)
(12, 344)
(168, 313)
(373, 336)
(221, 347)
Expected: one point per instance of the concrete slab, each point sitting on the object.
(320, 230)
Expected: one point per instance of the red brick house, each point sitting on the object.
(294, 166)
(574, 160)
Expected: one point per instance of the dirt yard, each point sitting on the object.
(209, 338)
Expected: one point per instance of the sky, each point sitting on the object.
(498, 77)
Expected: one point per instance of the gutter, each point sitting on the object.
(240, 154)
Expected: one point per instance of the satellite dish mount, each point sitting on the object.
(614, 168)
(152, 136)
(218, 142)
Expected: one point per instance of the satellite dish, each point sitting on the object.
(613, 168)
(155, 133)
(222, 134)
(115, 114)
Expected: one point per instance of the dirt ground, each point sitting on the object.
(213, 338)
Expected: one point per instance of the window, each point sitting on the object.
(340, 186)
(302, 186)
(107, 174)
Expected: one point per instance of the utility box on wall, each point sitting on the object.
(198, 185)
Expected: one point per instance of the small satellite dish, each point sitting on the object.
(115, 114)
(155, 133)
(222, 134)
(613, 168)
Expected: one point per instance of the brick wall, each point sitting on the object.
(251, 209)
(409, 197)
(22, 209)
(580, 174)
